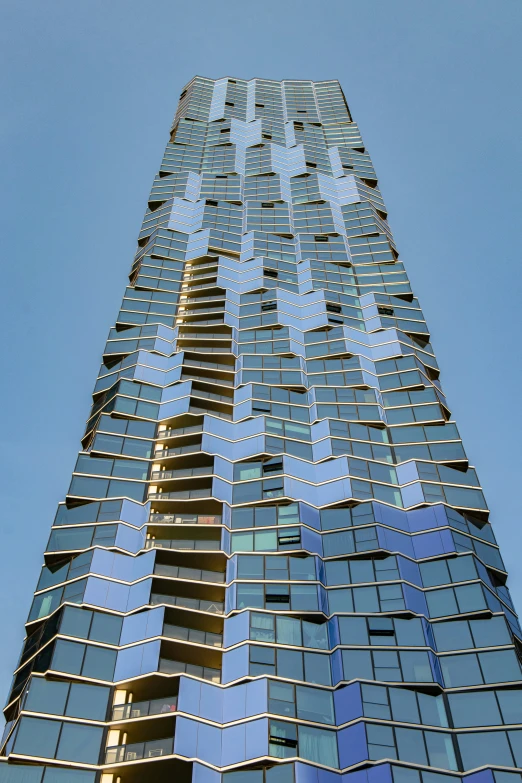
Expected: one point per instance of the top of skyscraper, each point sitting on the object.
(290, 99)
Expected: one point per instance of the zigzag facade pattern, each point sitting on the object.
(274, 561)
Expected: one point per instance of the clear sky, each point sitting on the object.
(88, 90)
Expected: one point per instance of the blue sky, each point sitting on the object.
(88, 93)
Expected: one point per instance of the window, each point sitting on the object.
(90, 661)
(282, 773)
(282, 739)
(54, 739)
(405, 706)
(313, 704)
(487, 667)
(475, 708)
(485, 748)
(277, 596)
(466, 634)
(390, 666)
(291, 664)
(47, 696)
(318, 745)
(37, 737)
(80, 743)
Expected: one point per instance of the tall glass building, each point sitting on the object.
(273, 563)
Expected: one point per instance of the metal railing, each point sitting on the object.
(178, 667)
(200, 604)
(142, 709)
(139, 750)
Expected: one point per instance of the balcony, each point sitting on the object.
(200, 273)
(194, 635)
(206, 348)
(193, 574)
(205, 470)
(203, 544)
(187, 286)
(205, 336)
(188, 494)
(199, 604)
(139, 750)
(179, 667)
(184, 519)
(208, 365)
(213, 322)
(229, 399)
(143, 709)
(192, 376)
(191, 448)
(185, 300)
(173, 432)
(184, 311)
(210, 409)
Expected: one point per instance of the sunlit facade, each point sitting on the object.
(274, 562)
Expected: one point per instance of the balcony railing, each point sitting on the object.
(210, 411)
(205, 470)
(178, 667)
(194, 574)
(190, 449)
(191, 376)
(212, 396)
(192, 267)
(193, 275)
(179, 319)
(209, 365)
(183, 634)
(142, 709)
(206, 336)
(171, 433)
(216, 298)
(184, 519)
(205, 349)
(139, 750)
(210, 283)
(200, 604)
(181, 313)
(203, 544)
(187, 494)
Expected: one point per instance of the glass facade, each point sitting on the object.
(274, 561)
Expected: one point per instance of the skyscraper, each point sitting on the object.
(273, 562)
